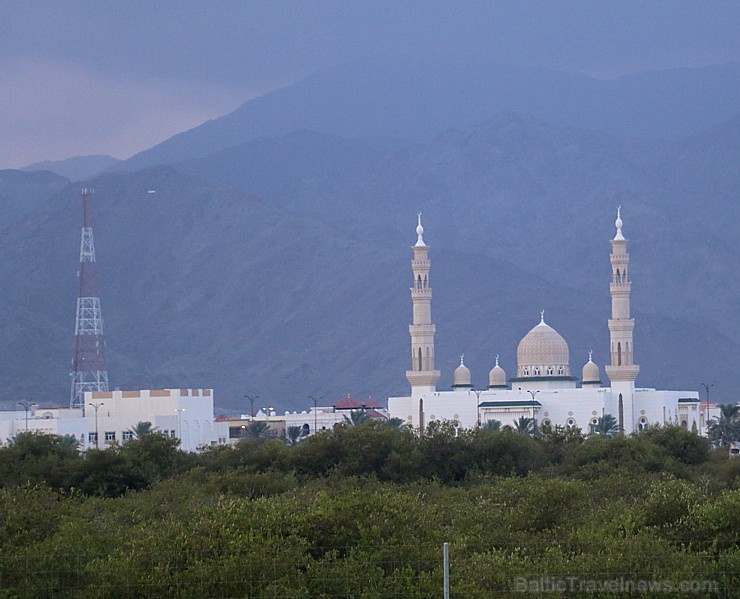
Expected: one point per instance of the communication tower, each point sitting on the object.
(89, 371)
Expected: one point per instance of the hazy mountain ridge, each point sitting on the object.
(417, 100)
(76, 168)
(515, 187)
(21, 193)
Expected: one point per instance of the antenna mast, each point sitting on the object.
(89, 371)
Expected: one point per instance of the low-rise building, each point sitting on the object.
(109, 417)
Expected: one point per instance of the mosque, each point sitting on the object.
(543, 387)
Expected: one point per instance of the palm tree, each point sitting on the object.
(356, 417)
(725, 429)
(607, 425)
(491, 426)
(397, 423)
(142, 429)
(68, 441)
(258, 430)
(525, 426)
(293, 435)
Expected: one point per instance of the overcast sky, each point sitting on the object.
(96, 77)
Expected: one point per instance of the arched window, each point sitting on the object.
(619, 354)
(305, 429)
(642, 424)
(549, 371)
(419, 368)
(418, 282)
(536, 371)
(561, 371)
(526, 371)
(618, 279)
(570, 424)
(428, 365)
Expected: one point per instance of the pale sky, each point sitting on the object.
(92, 77)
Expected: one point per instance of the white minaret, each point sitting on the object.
(622, 371)
(422, 376)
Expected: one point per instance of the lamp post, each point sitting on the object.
(179, 423)
(477, 404)
(251, 399)
(315, 401)
(27, 405)
(96, 407)
(707, 387)
(534, 419)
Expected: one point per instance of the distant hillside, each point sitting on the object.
(21, 193)
(77, 168)
(417, 101)
(515, 188)
(297, 283)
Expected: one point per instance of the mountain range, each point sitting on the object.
(417, 101)
(257, 254)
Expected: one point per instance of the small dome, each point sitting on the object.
(542, 353)
(461, 377)
(590, 373)
(497, 376)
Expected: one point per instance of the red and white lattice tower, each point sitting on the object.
(89, 371)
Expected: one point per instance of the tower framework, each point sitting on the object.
(89, 370)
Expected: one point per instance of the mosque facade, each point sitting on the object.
(542, 387)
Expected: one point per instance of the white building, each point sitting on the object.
(53, 421)
(108, 417)
(183, 413)
(543, 387)
(317, 419)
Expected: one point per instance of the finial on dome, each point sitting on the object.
(462, 356)
(590, 353)
(496, 359)
(618, 223)
(542, 317)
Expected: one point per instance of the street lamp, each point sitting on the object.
(27, 405)
(707, 386)
(315, 401)
(96, 406)
(477, 403)
(251, 399)
(179, 423)
(534, 419)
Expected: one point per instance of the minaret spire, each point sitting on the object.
(422, 376)
(622, 371)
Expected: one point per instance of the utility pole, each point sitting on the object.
(534, 419)
(707, 386)
(315, 401)
(251, 399)
(27, 405)
(96, 407)
(179, 423)
(477, 405)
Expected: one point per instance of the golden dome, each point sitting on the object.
(542, 353)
